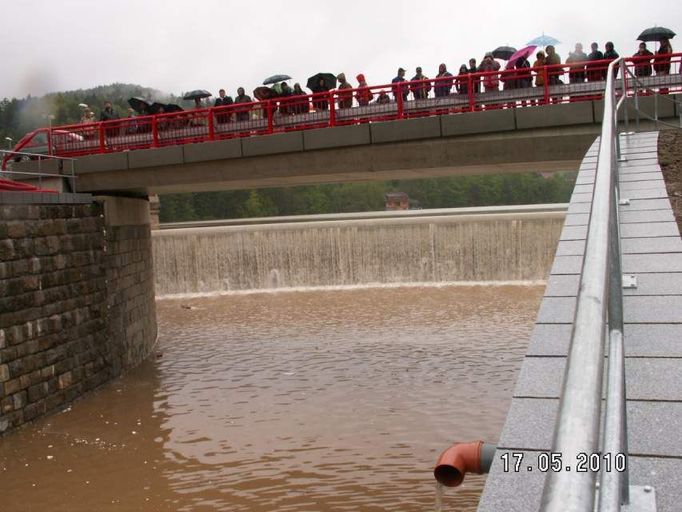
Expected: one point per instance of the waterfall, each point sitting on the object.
(445, 248)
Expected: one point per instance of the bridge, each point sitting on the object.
(322, 138)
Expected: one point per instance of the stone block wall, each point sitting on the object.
(76, 303)
(131, 309)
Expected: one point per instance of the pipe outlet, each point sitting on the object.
(462, 458)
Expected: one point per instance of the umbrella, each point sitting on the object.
(156, 107)
(172, 107)
(329, 82)
(263, 93)
(139, 105)
(504, 52)
(523, 53)
(199, 93)
(656, 34)
(276, 78)
(543, 40)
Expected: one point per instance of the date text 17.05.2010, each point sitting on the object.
(513, 462)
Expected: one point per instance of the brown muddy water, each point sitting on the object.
(289, 401)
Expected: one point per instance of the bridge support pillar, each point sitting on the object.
(131, 309)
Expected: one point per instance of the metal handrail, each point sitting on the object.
(72, 176)
(577, 428)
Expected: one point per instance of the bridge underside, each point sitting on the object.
(534, 150)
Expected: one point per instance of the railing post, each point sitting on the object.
(270, 113)
(100, 130)
(211, 125)
(624, 85)
(50, 148)
(155, 133)
(546, 80)
(401, 102)
(332, 109)
(472, 93)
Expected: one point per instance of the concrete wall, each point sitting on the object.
(76, 303)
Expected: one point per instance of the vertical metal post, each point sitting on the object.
(472, 93)
(332, 109)
(546, 75)
(211, 125)
(155, 133)
(656, 109)
(269, 113)
(400, 100)
(624, 85)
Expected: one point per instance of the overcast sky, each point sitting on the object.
(176, 46)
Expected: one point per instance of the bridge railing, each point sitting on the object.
(598, 318)
(470, 92)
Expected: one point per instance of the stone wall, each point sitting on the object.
(76, 303)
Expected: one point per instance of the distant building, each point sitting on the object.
(396, 201)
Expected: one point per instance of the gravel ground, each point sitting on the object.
(670, 158)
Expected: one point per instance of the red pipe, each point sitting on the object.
(458, 460)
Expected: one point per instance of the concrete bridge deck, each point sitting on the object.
(652, 251)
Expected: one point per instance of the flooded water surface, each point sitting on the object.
(304, 401)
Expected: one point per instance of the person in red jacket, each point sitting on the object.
(363, 95)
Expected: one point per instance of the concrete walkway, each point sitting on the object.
(652, 250)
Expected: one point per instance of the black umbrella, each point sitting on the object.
(276, 78)
(656, 34)
(314, 81)
(156, 107)
(139, 105)
(264, 93)
(172, 107)
(199, 93)
(504, 52)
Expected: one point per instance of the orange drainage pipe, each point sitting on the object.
(462, 458)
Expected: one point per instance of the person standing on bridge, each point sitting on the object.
(643, 62)
(577, 58)
(491, 81)
(420, 91)
(223, 101)
(610, 54)
(443, 87)
(345, 95)
(243, 112)
(301, 104)
(462, 80)
(363, 95)
(594, 74)
(108, 114)
(398, 87)
(662, 61)
(476, 81)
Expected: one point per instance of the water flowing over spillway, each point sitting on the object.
(515, 246)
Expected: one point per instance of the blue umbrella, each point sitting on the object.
(543, 40)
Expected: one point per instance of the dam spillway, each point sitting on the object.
(380, 248)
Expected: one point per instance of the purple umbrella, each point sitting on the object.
(523, 53)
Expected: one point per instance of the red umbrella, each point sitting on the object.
(523, 53)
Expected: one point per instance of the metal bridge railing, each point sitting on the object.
(599, 310)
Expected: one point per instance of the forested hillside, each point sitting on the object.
(19, 116)
(451, 192)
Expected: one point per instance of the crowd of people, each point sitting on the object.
(520, 73)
